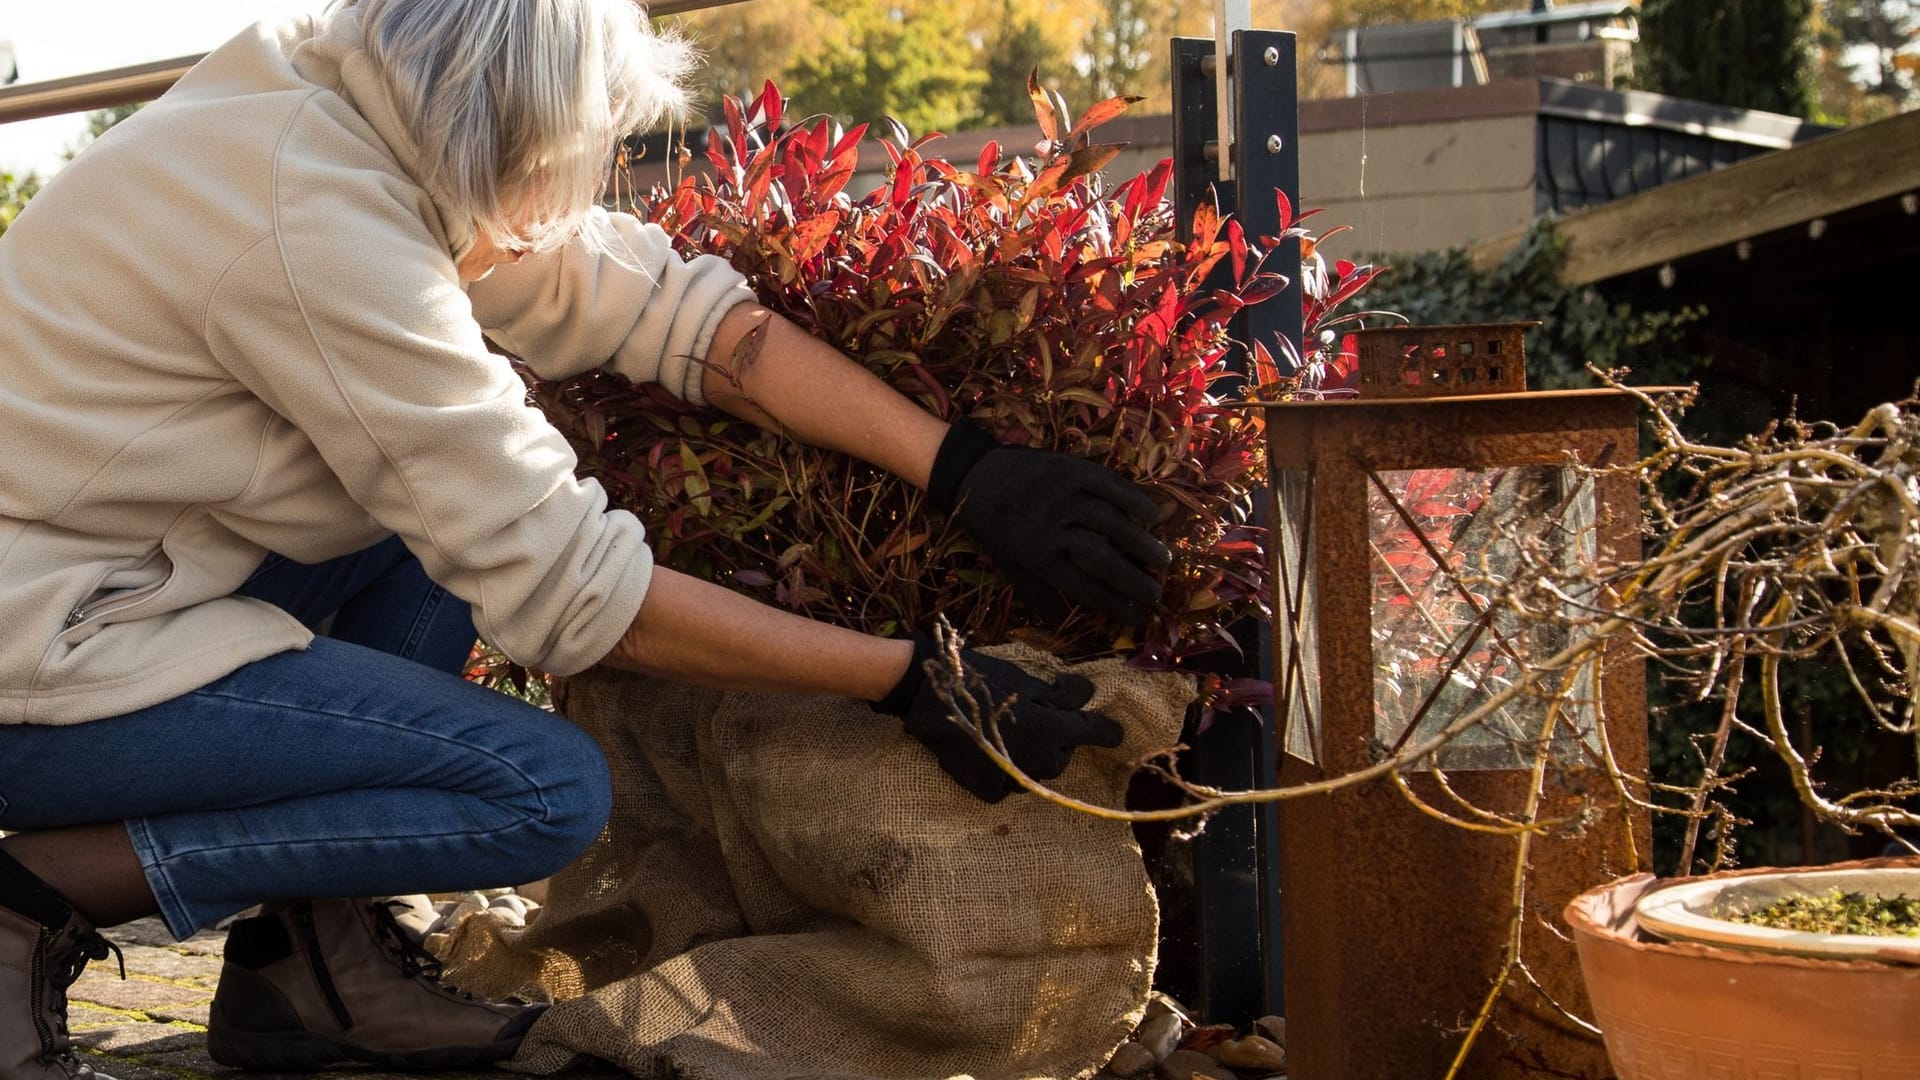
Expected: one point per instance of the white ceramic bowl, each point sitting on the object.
(1686, 912)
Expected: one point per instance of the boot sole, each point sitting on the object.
(304, 1051)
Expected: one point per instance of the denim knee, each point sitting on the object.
(575, 792)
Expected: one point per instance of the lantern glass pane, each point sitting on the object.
(1443, 542)
(1296, 679)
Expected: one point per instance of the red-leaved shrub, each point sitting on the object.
(1053, 310)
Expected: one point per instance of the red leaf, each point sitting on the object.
(835, 178)
(770, 106)
(1157, 179)
(1099, 114)
(848, 141)
(1206, 224)
(1237, 246)
(817, 140)
(1086, 160)
(1047, 182)
(1428, 484)
(1043, 108)
(1264, 369)
(736, 128)
(811, 236)
(989, 157)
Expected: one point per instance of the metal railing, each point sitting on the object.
(144, 82)
(98, 90)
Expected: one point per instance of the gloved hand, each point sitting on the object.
(1057, 526)
(1040, 731)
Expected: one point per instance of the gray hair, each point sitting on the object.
(517, 106)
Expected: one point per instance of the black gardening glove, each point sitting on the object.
(1057, 526)
(1040, 731)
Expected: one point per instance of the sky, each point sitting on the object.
(56, 38)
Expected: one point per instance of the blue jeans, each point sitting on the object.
(362, 766)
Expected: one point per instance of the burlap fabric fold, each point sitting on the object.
(789, 887)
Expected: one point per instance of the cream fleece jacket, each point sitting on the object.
(233, 326)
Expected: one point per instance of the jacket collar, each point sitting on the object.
(334, 55)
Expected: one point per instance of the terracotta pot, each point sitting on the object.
(1684, 1010)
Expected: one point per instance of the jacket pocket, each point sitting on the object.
(114, 593)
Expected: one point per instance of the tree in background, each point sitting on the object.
(14, 193)
(1126, 49)
(1369, 12)
(1749, 54)
(1019, 44)
(947, 66)
(743, 45)
(1867, 59)
(963, 63)
(912, 60)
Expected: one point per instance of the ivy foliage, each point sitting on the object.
(1579, 326)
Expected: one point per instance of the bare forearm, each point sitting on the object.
(696, 632)
(819, 396)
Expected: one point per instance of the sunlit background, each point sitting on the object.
(52, 39)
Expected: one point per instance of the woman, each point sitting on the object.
(244, 393)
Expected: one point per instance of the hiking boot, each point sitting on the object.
(314, 983)
(44, 945)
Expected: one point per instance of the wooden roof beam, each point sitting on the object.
(1850, 168)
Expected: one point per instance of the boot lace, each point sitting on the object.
(415, 960)
(65, 967)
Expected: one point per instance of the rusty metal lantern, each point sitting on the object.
(1395, 923)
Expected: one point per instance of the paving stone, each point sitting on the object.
(136, 994)
(164, 963)
(81, 1015)
(137, 1039)
(153, 932)
(125, 1070)
(183, 1014)
(191, 1060)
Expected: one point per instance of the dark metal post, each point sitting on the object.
(1236, 859)
(1266, 160)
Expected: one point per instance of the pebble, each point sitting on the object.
(1158, 1003)
(1190, 1064)
(511, 906)
(1131, 1060)
(1273, 1028)
(1160, 1034)
(1207, 1037)
(418, 917)
(469, 904)
(1253, 1054)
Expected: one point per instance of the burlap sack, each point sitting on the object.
(790, 887)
